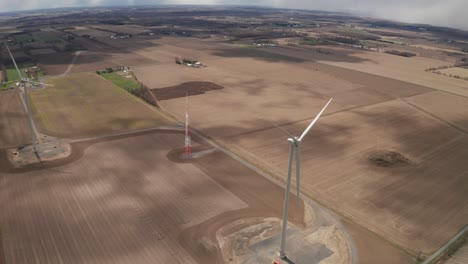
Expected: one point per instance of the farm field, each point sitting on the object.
(14, 128)
(384, 171)
(408, 70)
(456, 71)
(460, 257)
(400, 203)
(371, 248)
(450, 108)
(43, 36)
(255, 87)
(86, 104)
(366, 116)
(119, 201)
(98, 56)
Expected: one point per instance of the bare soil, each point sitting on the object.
(251, 188)
(410, 70)
(399, 203)
(14, 127)
(54, 64)
(372, 249)
(113, 202)
(97, 56)
(449, 108)
(187, 88)
(2, 254)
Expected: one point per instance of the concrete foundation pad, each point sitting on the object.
(23, 156)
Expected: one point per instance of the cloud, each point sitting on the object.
(437, 12)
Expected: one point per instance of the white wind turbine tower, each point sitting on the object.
(25, 81)
(294, 143)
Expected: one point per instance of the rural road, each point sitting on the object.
(72, 63)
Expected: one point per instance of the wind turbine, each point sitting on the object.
(294, 143)
(25, 81)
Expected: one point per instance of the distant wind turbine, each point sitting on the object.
(294, 143)
(25, 81)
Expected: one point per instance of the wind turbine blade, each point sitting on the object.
(14, 62)
(314, 121)
(286, 197)
(282, 130)
(298, 170)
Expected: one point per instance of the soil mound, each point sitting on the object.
(385, 158)
(181, 90)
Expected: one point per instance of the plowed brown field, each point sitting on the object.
(417, 206)
(400, 203)
(124, 201)
(14, 127)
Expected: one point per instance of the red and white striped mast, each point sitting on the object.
(188, 140)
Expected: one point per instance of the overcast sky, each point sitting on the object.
(453, 13)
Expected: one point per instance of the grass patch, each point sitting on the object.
(12, 73)
(239, 45)
(24, 38)
(128, 84)
(6, 85)
(84, 105)
(357, 34)
(314, 42)
(47, 38)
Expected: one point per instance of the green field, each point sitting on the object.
(128, 84)
(6, 85)
(39, 37)
(86, 105)
(23, 38)
(12, 73)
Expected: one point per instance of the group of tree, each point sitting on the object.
(401, 53)
(185, 60)
(107, 70)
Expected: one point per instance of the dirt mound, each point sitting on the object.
(235, 238)
(386, 158)
(181, 90)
